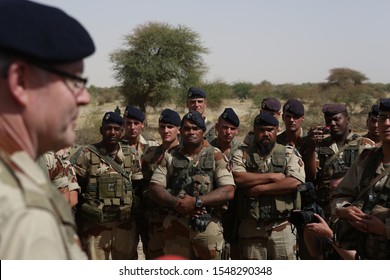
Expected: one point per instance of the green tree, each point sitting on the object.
(345, 77)
(157, 60)
(241, 89)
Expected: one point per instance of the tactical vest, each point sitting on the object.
(187, 178)
(52, 202)
(108, 197)
(266, 208)
(334, 168)
(375, 201)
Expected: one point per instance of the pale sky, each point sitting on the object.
(281, 41)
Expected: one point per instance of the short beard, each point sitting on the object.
(265, 149)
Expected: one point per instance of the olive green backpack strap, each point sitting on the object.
(110, 161)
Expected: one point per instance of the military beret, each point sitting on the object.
(230, 116)
(196, 118)
(295, 107)
(374, 111)
(196, 93)
(170, 116)
(271, 104)
(384, 105)
(112, 117)
(132, 112)
(333, 109)
(266, 119)
(42, 33)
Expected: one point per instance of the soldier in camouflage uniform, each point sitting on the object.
(134, 124)
(168, 128)
(193, 183)
(372, 125)
(268, 105)
(294, 134)
(41, 92)
(62, 174)
(196, 101)
(267, 175)
(104, 214)
(227, 129)
(362, 199)
(329, 158)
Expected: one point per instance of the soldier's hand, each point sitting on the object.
(372, 224)
(274, 177)
(185, 205)
(315, 136)
(320, 229)
(252, 192)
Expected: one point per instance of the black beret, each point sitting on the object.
(132, 112)
(42, 33)
(295, 107)
(271, 104)
(266, 119)
(112, 117)
(374, 111)
(384, 105)
(196, 118)
(196, 93)
(333, 109)
(230, 116)
(170, 116)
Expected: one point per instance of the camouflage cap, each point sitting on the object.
(271, 104)
(295, 107)
(196, 93)
(196, 118)
(265, 119)
(169, 116)
(230, 116)
(112, 117)
(384, 105)
(333, 109)
(132, 112)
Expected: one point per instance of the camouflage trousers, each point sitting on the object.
(278, 243)
(117, 242)
(190, 244)
(156, 234)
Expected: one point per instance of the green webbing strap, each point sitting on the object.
(209, 126)
(110, 161)
(76, 154)
(333, 157)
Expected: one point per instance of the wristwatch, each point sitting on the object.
(198, 202)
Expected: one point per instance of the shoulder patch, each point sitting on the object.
(218, 155)
(363, 141)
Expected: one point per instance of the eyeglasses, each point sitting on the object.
(383, 118)
(76, 84)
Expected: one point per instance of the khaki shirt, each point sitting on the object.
(295, 167)
(29, 231)
(139, 150)
(222, 173)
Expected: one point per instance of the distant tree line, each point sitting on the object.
(159, 62)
